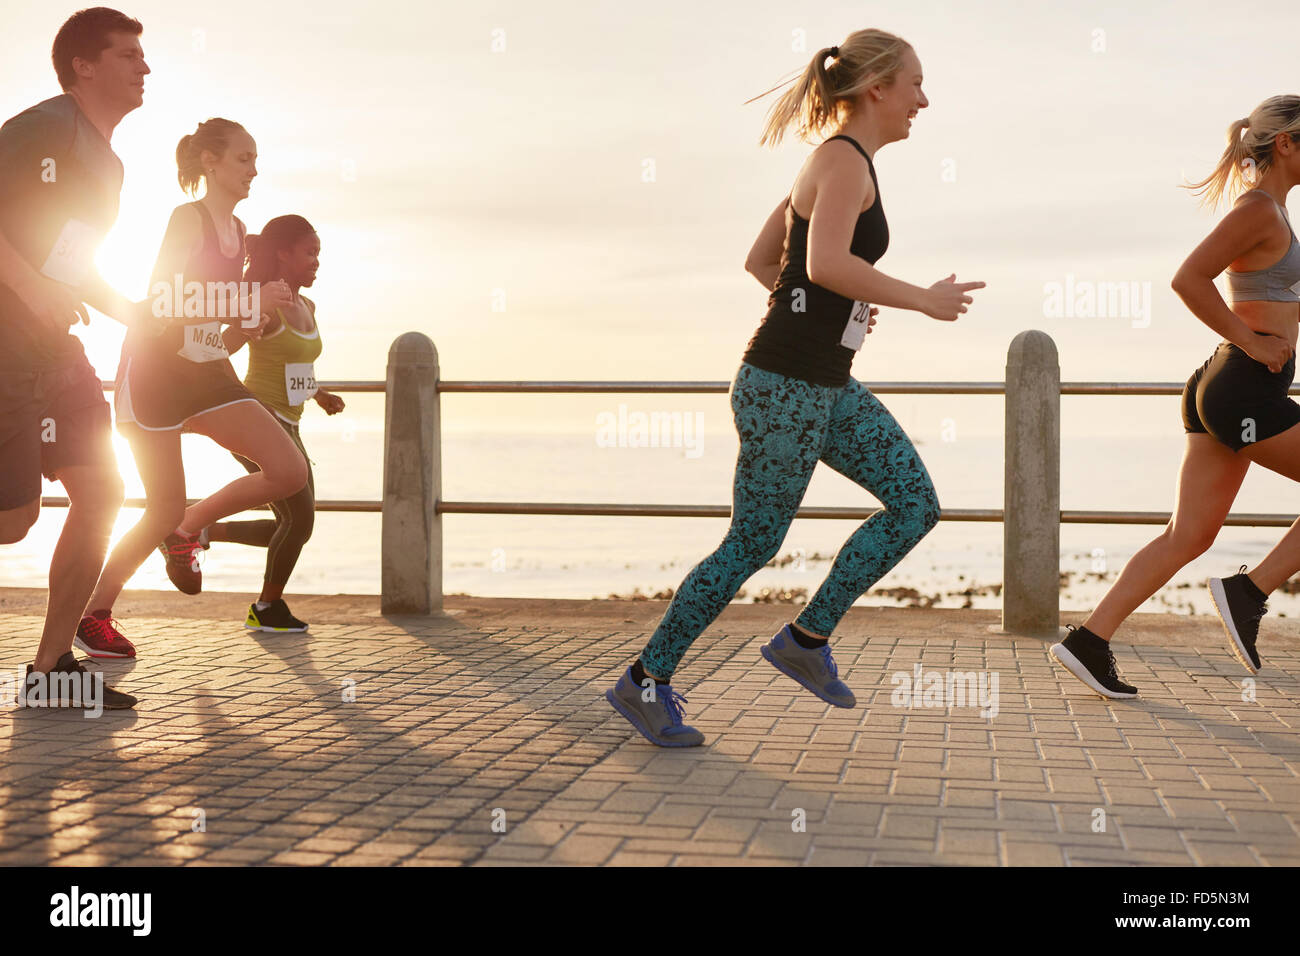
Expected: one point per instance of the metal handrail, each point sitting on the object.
(877, 388)
(669, 387)
(724, 511)
(650, 510)
(325, 504)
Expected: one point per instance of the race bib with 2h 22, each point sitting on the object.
(203, 343)
(299, 382)
(72, 257)
(855, 330)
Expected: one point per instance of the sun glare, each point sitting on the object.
(175, 103)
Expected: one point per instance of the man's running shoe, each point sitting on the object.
(814, 668)
(1240, 609)
(183, 562)
(274, 617)
(71, 685)
(1088, 657)
(659, 719)
(98, 636)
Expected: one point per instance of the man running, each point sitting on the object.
(60, 184)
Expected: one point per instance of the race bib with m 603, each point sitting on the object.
(203, 343)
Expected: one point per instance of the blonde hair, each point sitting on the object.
(212, 135)
(1250, 145)
(823, 95)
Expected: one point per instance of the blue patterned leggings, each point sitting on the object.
(786, 426)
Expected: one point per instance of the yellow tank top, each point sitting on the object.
(281, 373)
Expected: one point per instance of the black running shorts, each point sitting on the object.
(1238, 400)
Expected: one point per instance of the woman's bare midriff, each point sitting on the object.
(1271, 318)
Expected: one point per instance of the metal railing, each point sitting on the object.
(412, 534)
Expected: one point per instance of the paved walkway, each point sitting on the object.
(481, 736)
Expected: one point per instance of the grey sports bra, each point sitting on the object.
(1280, 282)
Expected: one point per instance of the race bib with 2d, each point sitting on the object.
(72, 257)
(299, 381)
(203, 343)
(855, 330)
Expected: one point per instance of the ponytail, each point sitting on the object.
(211, 135)
(823, 95)
(1250, 152)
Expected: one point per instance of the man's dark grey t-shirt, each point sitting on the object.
(60, 185)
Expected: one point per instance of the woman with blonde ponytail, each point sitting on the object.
(1236, 408)
(182, 379)
(794, 400)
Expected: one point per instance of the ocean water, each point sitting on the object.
(589, 449)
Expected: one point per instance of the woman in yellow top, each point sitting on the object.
(281, 375)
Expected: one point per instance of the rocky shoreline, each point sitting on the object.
(959, 598)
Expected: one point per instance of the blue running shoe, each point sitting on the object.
(660, 719)
(814, 668)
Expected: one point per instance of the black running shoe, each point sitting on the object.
(1088, 657)
(1240, 612)
(275, 617)
(71, 685)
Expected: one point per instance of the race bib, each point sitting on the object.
(299, 381)
(73, 255)
(855, 330)
(203, 343)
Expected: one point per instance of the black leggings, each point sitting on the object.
(284, 537)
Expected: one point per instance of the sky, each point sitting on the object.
(476, 171)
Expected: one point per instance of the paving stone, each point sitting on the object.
(478, 737)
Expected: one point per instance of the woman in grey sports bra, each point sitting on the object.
(1280, 282)
(1236, 407)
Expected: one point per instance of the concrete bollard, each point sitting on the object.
(411, 563)
(1031, 523)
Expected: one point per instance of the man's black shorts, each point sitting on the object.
(49, 420)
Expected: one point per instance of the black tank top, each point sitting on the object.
(801, 336)
(206, 265)
(209, 264)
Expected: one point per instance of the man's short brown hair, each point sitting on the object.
(85, 35)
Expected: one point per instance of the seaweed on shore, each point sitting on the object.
(912, 597)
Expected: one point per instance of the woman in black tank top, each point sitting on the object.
(794, 401)
(182, 380)
(805, 333)
(163, 381)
